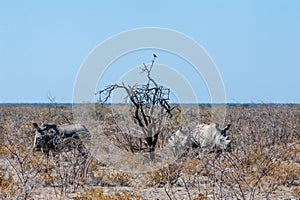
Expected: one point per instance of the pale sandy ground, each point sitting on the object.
(153, 193)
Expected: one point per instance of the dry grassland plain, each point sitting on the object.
(264, 162)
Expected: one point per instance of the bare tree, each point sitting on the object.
(150, 107)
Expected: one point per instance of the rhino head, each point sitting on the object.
(43, 136)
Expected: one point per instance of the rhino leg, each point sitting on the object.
(46, 152)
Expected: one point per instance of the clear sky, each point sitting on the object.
(254, 44)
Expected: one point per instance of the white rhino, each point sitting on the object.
(204, 138)
(210, 138)
(180, 142)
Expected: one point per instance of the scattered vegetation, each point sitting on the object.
(264, 162)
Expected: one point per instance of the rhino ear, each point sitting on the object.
(36, 126)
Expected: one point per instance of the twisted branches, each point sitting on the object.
(149, 103)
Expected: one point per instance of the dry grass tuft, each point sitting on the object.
(98, 194)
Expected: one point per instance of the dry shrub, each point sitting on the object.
(285, 173)
(90, 112)
(200, 197)
(112, 178)
(98, 194)
(6, 182)
(22, 168)
(296, 191)
(166, 175)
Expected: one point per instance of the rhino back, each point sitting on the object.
(68, 130)
(205, 135)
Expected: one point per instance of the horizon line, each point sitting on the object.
(109, 104)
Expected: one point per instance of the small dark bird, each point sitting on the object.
(154, 55)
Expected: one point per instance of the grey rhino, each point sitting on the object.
(55, 138)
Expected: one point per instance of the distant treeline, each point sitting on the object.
(182, 104)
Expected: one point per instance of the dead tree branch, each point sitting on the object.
(149, 104)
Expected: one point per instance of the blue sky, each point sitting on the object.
(254, 44)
